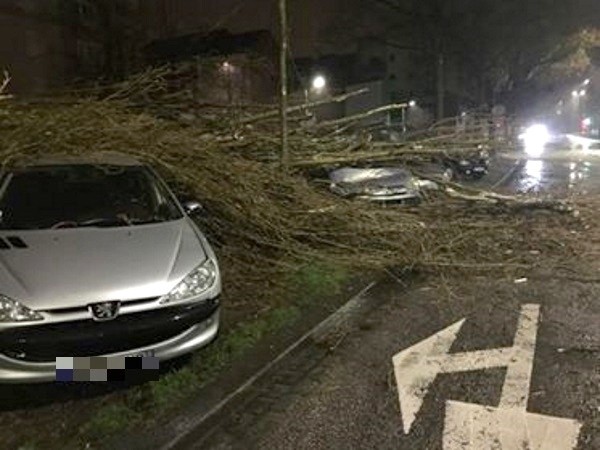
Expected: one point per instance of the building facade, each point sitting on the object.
(46, 44)
(32, 46)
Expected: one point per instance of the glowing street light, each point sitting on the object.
(410, 104)
(227, 67)
(575, 94)
(319, 82)
(582, 93)
(586, 82)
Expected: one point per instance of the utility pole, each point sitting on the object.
(283, 80)
(441, 85)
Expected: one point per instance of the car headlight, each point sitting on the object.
(195, 283)
(13, 311)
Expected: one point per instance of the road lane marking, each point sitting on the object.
(475, 427)
(515, 392)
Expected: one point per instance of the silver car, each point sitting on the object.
(384, 184)
(98, 258)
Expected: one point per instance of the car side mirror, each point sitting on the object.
(192, 207)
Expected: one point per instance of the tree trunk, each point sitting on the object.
(284, 84)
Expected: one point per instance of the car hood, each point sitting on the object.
(74, 267)
(354, 181)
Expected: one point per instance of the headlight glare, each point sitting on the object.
(195, 283)
(13, 311)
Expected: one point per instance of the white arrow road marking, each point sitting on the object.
(478, 427)
(515, 393)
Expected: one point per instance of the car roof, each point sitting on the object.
(108, 158)
(359, 175)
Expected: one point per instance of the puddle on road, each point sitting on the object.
(558, 177)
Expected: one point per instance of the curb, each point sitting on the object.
(331, 324)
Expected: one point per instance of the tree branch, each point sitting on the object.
(3, 85)
(304, 106)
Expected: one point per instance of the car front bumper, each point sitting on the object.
(389, 197)
(14, 370)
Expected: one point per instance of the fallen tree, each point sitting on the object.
(264, 223)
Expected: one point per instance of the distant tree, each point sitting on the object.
(507, 47)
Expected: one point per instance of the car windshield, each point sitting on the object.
(83, 195)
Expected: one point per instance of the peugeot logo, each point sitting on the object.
(104, 311)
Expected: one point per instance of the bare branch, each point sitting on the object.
(4, 85)
(298, 108)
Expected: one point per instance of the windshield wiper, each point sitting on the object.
(155, 219)
(106, 222)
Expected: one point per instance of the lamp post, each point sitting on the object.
(283, 81)
(574, 113)
(410, 104)
(318, 86)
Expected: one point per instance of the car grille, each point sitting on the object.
(43, 343)
(80, 309)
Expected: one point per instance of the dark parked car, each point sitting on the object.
(473, 166)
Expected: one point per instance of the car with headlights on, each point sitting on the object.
(99, 258)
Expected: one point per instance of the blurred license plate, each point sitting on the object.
(144, 354)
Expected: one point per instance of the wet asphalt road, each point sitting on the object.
(559, 170)
(349, 399)
(562, 174)
(545, 395)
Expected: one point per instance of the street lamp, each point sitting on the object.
(410, 104)
(582, 93)
(586, 82)
(228, 71)
(575, 94)
(319, 83)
